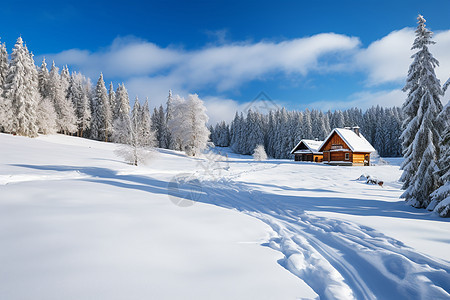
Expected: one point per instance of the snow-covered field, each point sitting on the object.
(78, 223)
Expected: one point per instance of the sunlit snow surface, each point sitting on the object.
(78, 223)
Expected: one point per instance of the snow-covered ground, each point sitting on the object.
(78, 223)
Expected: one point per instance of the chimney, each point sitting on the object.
(356, 129)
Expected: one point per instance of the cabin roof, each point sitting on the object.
(312, 145)
(357, 143)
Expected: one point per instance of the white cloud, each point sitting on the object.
(224, 67)
(387, 60)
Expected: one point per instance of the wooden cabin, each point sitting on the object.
(346, 146)
(307, 150)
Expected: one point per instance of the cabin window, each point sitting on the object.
(347, 156)
(336, 146)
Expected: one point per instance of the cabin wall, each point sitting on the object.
(335, 139)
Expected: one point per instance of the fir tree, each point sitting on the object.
(121, 123)
(20, 94)
(101, 122)
(57, 92)
(79, 93)
(441, 197)
(147, 134)
(421, 127)
(170, 142)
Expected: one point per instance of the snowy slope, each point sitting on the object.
(76, 223)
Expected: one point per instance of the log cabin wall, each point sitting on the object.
(335, 139)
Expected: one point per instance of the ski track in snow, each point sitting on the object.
(338, 259)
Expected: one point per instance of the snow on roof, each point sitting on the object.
(312, 145)
(357, 143)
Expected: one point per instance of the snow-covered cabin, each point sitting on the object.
(308, 150)
(346, 146)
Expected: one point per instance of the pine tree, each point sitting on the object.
(170, 142)
(175, 123)
(57, 92)
(20, 94)
(112, 100)
(121, 123)
(43, 79)
(421, 128)
(440, 199)
(101, 121)
(147, 134)
(5, 116)
(3, 65)
(79, 93)
(159, 126)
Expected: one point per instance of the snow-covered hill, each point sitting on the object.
(78, 223)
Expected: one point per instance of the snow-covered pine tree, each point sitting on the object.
(4, 113)
(101, 120)
(3, 65)
(221, 134)
(176, 122)
(121, 123)
(421, 127)
(64, 108)
(112, 100)
(65, 79)
(170, 142)
(159, 126)
(259, 153)
(43, 79)
(21, 94)
(79, 93)
(46, 119)
(147, 134)
(440, 199)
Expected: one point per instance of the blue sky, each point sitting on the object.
(318, 54)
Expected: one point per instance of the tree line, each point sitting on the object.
(35, 100)
(280, 130)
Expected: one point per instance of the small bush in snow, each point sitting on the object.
(259, 153)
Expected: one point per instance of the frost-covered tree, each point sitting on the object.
(46, 117)
(3, 65)
(112, 100)
(196, 134)
(121, 123)
(159, 125)
(187, 125)
(79, 94)
(4, 105)
(421, 127)
(221, 136)
(145, 123)
(440, 199)
(20, 93)
(259, 153)
(136, 149)
(43, 80)
(65, 110)
(101, 120)
(170, 142)
(175, 122)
